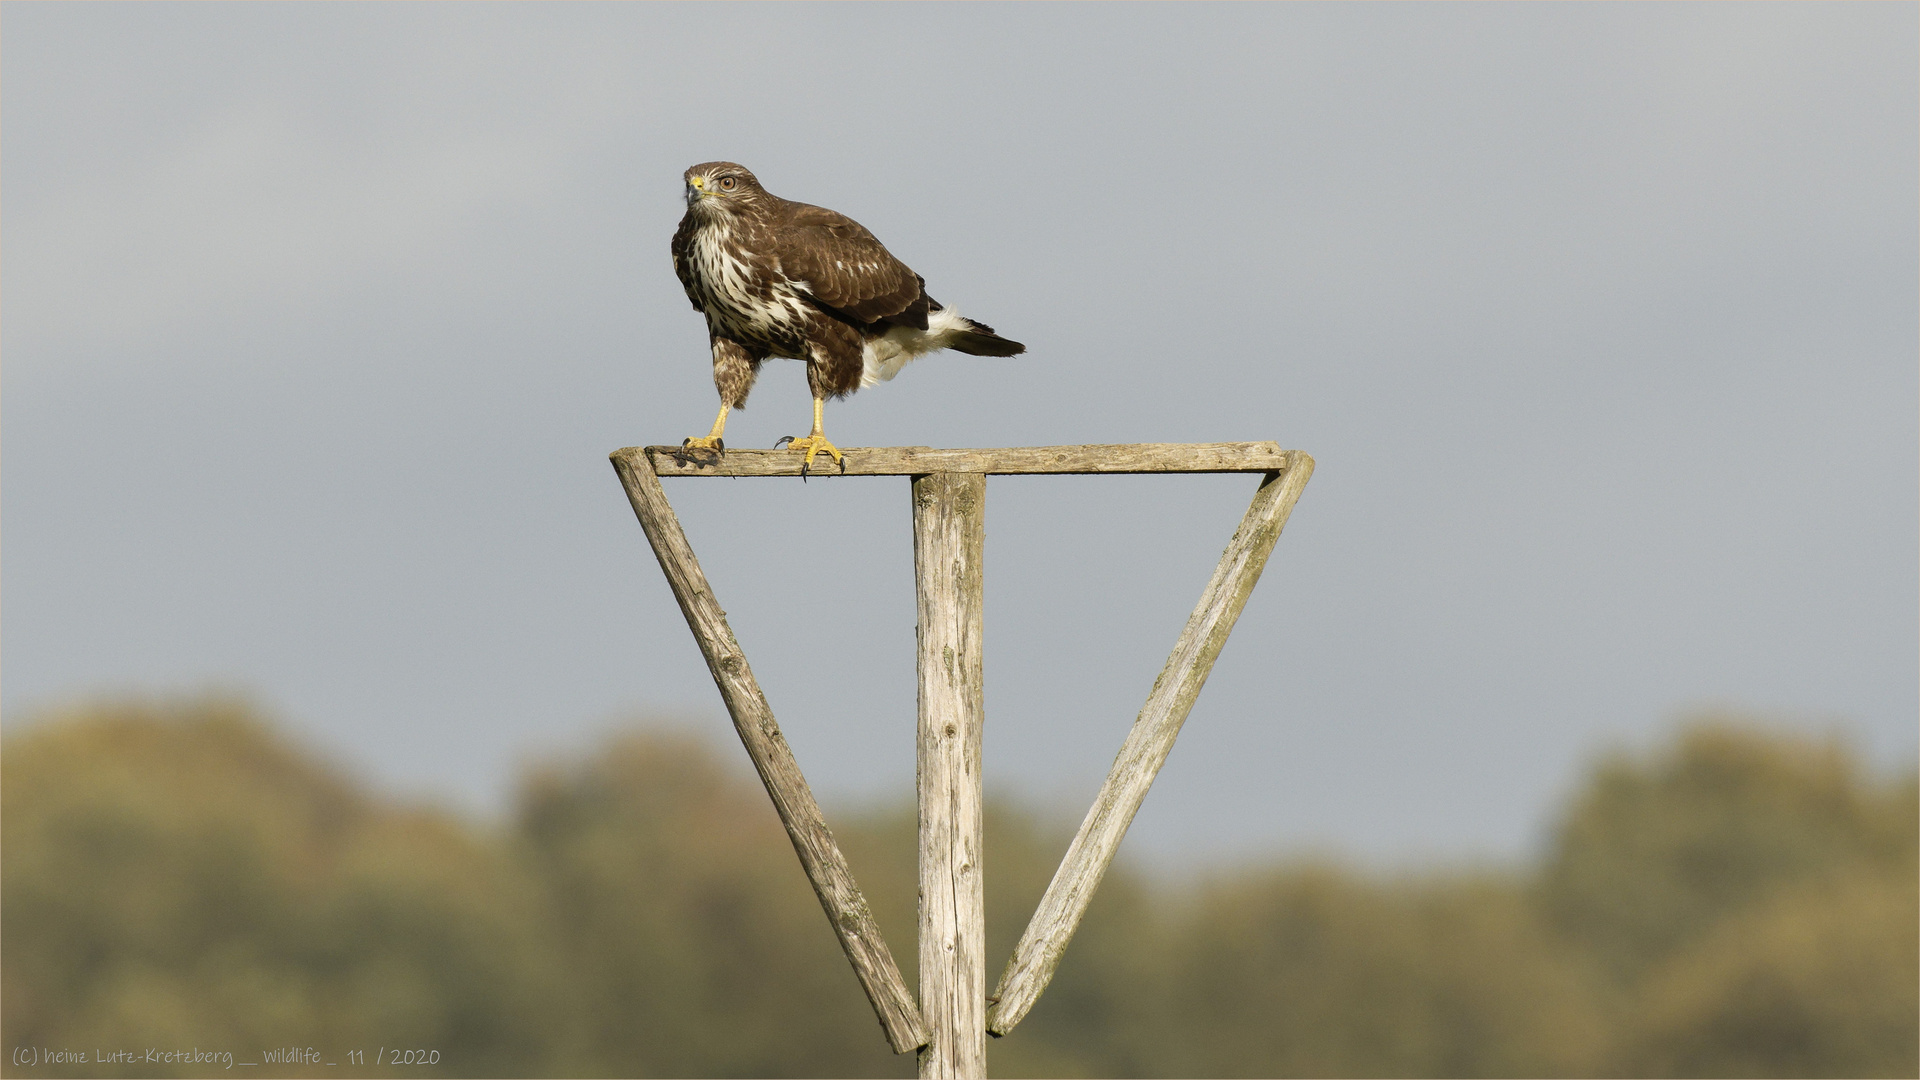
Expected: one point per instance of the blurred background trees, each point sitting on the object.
(1739, 902)
(181, 877)
(1751, 901)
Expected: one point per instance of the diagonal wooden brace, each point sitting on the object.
(1145, 750)
(826, 867)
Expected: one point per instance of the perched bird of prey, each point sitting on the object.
(781, 278)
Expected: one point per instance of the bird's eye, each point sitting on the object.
(726, 183)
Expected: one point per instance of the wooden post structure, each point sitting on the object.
(949, 536)
(753, 719)
(1145, 750)
(950, 1024)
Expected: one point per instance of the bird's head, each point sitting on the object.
(721, 188)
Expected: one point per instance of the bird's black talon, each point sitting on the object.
(720, 445)
(784, 440)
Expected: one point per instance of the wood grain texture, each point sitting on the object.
(949, 537)
(1260, 457)
(1146, 747)
(826, 867)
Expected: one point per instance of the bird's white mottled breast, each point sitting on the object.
(736, 302)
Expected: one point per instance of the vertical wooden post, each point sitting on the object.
(948, 540)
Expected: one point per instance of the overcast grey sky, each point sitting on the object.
(1600, 321)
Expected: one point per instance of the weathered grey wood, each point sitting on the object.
(826, 867)
(916, 460)
(949, 537)
(1146, 747)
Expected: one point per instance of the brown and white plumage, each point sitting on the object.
(781, 278)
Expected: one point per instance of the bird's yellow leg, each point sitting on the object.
(817, 441)
(711, 442)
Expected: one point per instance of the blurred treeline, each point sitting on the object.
(1738, 903)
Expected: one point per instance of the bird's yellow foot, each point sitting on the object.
(812, 444)
(702, 451)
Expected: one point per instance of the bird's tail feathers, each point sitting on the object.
(979, 339)
(885, 355)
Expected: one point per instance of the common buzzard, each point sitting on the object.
(782, 278)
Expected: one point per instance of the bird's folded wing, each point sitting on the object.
(683, 259)
(837, 261)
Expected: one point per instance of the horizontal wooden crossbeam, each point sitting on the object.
(1243, 457)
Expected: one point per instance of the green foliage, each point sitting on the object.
(1655, 853)
(1752, 898)
(1312, 971)
(692, 941)
(1740, 903)
(1821, 980)
(179, 878)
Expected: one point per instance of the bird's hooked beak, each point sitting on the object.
(696, 189)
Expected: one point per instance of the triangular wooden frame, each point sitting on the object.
(949, 488)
